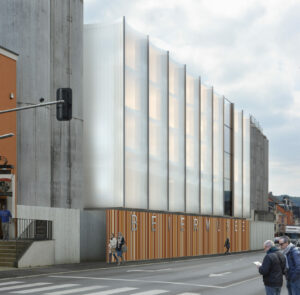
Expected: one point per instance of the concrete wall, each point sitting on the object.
(47, 35)
(259, 232)
(66, 234)
(259, 169)
(39, 253)
(92, 235)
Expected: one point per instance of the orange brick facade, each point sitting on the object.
(8, 121)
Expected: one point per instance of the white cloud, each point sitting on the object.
(248, 50)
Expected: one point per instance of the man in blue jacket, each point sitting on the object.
(5, 221)
(272, 268)
(292, 255)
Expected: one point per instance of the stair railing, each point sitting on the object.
(31, 230)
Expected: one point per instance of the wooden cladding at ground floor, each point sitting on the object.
(151, 235)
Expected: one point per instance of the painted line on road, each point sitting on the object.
(148, 270)
(152, 292)
(113, 291)
(10, 283)
(142, 281)
(75, 290)
(219, 274)
(241, 282)
(35, 290)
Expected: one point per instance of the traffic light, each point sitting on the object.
(64, 110)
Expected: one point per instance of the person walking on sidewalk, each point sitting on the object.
(5, 221)
(120, 244)
(112, 248)
(292, 255)
(272, 268)
(227, 246)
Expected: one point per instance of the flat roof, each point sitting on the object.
(9, 53)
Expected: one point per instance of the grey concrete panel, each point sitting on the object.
(92, 235)
(259, 176)
(24, 28)
(66, 71)
(47, 35)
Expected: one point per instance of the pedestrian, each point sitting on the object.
(227, 246)
(292, 255)
(120, 243)
(272, 268)
(112, 248)
(5, 221)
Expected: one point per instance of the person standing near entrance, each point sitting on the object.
(5, 221)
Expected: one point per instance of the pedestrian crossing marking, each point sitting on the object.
(75, 290)
(45, 288)
(10, 283)
(24, 286)
(113, 291)
(151, 292)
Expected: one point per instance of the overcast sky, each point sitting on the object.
(248, 50)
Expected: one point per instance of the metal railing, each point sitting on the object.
(32, 229)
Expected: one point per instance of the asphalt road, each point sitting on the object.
(230, 274)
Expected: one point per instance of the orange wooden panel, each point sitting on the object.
(174, 235)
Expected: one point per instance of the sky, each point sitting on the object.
(249, 51)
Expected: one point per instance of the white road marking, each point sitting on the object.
(113, 291)
(141, 270)
(151, 292)
(148, 270)
(241, 282)
(24, 286)
(189, 294)
(75, 290)
(219, 274)
(10, 283)
(45, 288)
(143, 281)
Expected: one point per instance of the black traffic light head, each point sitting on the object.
(64, 110)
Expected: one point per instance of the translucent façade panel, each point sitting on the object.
(227, 165)
(227, 113)
(227, 198)
(206, 150)
(103, 115)
(136, 106)
(218, 155)
(227, 139)
(158, 129)
(176, 136)
(192, 145)
(238, 164)
(246, 167)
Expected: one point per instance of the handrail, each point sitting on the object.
(33, 229)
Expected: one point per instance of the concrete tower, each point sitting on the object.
(47, 35)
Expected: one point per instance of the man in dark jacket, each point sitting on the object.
(292, 255)
(272, 268)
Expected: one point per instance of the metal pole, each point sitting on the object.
(31, 107)
(6, 135)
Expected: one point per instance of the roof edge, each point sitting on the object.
(8, 53)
